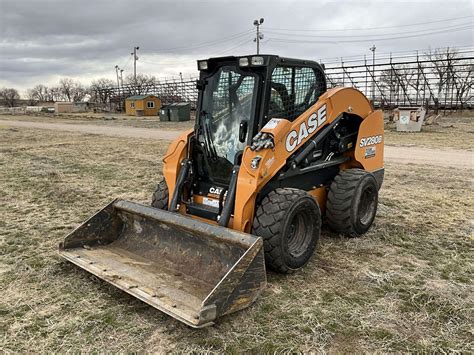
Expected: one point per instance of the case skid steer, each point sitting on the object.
(272, 151)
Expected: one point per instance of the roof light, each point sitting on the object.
(244, 62)
(257, 60)
(202, 65)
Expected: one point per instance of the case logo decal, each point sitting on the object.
(315, 120)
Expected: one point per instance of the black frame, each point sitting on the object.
(260, 118)
(270, 62)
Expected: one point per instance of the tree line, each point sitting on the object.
(72, 91)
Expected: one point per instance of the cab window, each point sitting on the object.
(294, 90)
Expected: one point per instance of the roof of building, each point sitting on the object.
(139, 97)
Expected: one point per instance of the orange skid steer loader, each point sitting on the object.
(272, 151)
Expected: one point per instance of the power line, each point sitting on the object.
(287, 40)
(381, 34)
(240, 44)
(395, 54)
(171, 61)
(128, 63)
(369, 28)
(209, 43)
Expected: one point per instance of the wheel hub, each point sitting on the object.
(299, 235)
(367, 205)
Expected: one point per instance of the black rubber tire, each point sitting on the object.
(289, 221)
(160, 196)
(352, 202)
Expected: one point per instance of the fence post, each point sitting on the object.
(366, 78)
(343, 72)
(391, 83)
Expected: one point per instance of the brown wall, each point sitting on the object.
(142, 105)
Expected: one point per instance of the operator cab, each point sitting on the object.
(237, 97)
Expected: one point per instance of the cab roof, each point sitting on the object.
(268, 60)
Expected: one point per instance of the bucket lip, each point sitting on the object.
(188, 319)
(188, 224)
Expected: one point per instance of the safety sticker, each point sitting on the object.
(370, 152)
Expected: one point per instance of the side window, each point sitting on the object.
(150, 104)
(293, 91)
(245, 95)
(281, 93)
(132, 104)
(305, 82)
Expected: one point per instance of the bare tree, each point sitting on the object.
(31, 97)
(55, 94)
(71, 90)
(389, 83)
(79, 93)
(40, 93)
(442, 60)
(101, 90)
(66, 87)
(464, 83)
(394, 83)
(142, 84)
(10, 96)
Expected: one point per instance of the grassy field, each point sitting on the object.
(405, 286)
(452, 131)
(103, 120)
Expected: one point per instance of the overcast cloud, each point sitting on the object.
(43, 40)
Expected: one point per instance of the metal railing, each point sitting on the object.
(439, 79)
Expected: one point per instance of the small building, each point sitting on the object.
(142, 105)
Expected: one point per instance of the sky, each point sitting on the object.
(42, 41)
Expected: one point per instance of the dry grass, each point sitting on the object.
(406, 286)
(100, 119)
(452, 131)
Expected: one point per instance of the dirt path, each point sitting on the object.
(428, 156)
(395, 154)
(117, 131)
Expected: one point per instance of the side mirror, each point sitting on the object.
(243, 130)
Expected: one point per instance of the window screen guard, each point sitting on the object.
(293, 91)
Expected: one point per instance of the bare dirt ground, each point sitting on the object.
(454, 131)
(118, 131)
(112, 120)
(429, 156)
(412, 154)
(406, 286)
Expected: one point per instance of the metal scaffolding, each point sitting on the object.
(438, 79)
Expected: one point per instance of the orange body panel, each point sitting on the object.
(320, 194)
(177, 151)
(288, 137)
(251, 181)
(370, 142)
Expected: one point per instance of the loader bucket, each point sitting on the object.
(191, 270)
